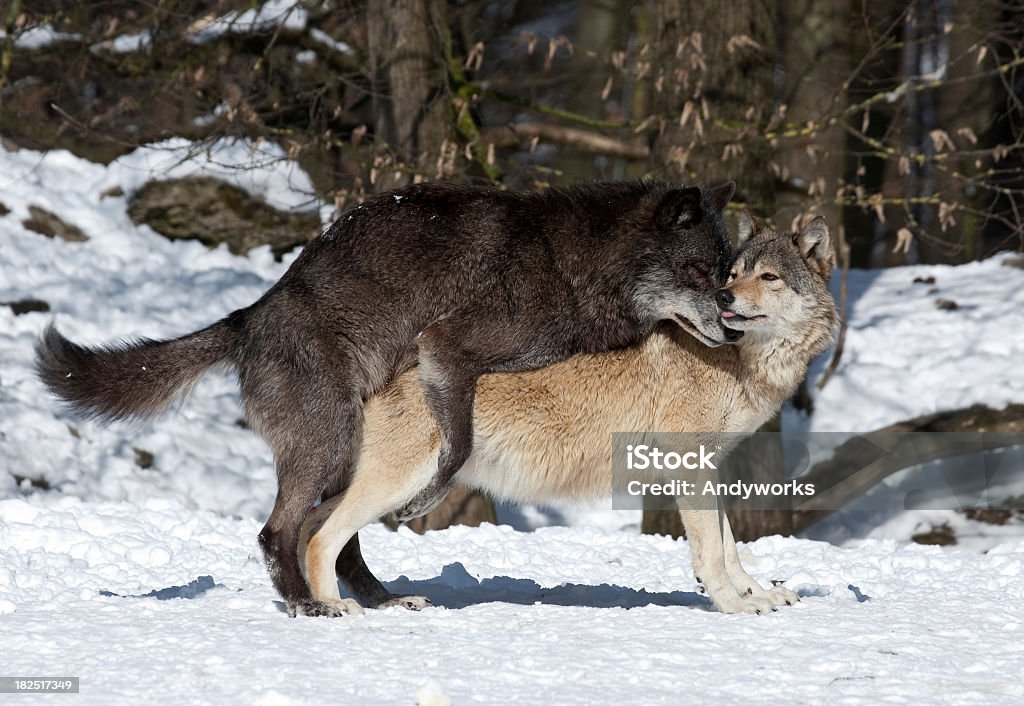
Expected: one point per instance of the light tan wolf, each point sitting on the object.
(545, 435)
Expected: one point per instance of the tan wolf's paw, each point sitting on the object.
(407, 602)
(779, 595)
(328, 609)
(751, 604)
(783, 596)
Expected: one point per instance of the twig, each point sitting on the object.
(8, 52)
(472, 89)
(516, 133)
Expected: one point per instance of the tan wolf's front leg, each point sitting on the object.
(744, 582)
(704, 532)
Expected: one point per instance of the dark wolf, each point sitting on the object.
(461, 280)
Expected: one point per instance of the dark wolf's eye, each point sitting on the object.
(769, 277)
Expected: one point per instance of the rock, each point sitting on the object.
(26, 482)
(212, 211)
(26, 306)
(942, 535)
(49, 224)
(143, 459)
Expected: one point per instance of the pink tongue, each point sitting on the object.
(727, 314)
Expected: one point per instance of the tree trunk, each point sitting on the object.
(666, 522)
(714, 74)
(962, 105)
(599, 30)
(412, 107)
(815, 59)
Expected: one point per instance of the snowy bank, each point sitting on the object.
(909, 351)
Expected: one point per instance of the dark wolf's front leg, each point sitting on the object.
(449, 379)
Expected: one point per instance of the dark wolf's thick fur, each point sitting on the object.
(466, 280)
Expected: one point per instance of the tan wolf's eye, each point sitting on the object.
(732, 275)
(769, 277)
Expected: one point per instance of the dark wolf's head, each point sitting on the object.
(778, 285)
(686, 259)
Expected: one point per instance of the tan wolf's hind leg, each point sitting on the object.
(328, 527)
(744, 583)
(704, 534)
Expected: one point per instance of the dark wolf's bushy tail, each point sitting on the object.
(132, 379)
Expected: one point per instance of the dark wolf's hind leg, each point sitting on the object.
(449, 380)
(313, 434)
(358, 578)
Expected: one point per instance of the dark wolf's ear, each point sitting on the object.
(747, 226)
(680, 207)
(816, 246)
(718, 196)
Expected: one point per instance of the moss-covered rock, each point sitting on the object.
(213, 212)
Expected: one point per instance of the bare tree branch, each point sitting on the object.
(518, 133)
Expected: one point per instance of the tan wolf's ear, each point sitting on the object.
(815, 245)
(718, 196)
(747, 226)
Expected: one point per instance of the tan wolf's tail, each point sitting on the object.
(133, 380)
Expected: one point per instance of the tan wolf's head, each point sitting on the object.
(778, 286)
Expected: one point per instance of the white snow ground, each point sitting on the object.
(147, 583)
(560, 615)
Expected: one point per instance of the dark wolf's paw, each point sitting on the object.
(328, 609)
(425, 501)
(407, 602)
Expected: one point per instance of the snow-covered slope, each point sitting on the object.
(142, 575)
(129, 281)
